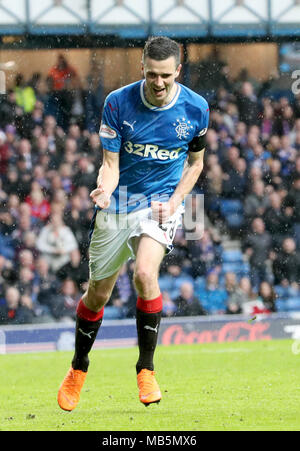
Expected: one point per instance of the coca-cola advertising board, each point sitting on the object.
(227, 329)
(122, 333)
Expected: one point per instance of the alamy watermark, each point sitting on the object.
(124, 209)
(296, 84)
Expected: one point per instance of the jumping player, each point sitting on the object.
(153, 138)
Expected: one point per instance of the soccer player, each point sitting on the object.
(153, 138)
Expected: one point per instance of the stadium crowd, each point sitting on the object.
(50, 154)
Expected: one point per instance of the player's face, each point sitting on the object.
(160, 78)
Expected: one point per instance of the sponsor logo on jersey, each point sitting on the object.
(151, 151)
(107, 132)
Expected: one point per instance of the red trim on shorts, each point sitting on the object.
(85, 313)
(150, 306)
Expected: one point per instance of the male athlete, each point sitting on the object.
(152, 133)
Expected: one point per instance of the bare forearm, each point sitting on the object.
(108, 178)
(187, 183)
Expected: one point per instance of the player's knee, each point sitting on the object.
(96, 298)
(144, 279)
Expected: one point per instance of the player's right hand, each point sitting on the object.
(100, 197)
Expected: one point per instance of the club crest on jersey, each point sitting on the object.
(182, 127)
(107, 132)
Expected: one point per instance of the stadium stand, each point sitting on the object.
(49, 159)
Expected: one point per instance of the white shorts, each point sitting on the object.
(112, 238)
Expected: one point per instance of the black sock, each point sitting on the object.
(85, 335)
(147, 330)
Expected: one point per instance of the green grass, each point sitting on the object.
(229, 386)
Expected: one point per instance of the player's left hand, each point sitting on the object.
(100, 197)
(161, 211)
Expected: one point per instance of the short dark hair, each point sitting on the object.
(160, 48)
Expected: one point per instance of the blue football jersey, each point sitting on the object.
(152, 141)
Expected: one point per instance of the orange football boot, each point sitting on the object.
(69, 391)
(149, 391)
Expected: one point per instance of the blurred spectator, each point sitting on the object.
(173, 279)
(273, 176)
(94, 103)
(56, 241)
(235, 181)
(25, 95)
(85, 174)
(235, 296)
(230, 159)
(46, 284)
(287, 156)
(65, 302)
(40, 207)
(62, 74)
(267, 295)
(286, 265)
(256, 202)
(212, 297)
(267, 123)
(257, 246)
(292, 202)
(4, 154)
(278, 220)
(205, 254)
(247, 104)
(246, 289)
(61, 78)
(76, 269)
(17, 309)
(169, 306)
(187, 303)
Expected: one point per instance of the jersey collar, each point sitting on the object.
(156, 108)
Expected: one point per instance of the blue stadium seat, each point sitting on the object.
(200, 283)
(288, 305)
(232, 212)
(231, 206)
(293, 304)
(112, 312)
(235, 220)
(231, 267)
(281, 305)
(232, 256)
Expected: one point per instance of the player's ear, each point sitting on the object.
(178, 70)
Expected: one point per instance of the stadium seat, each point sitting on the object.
(232, 212)
(232, 256)
(231, 267)
(199, 283)
(6, 247)
(231, 206)
(281, 305)
(293, 304)
(111, 312)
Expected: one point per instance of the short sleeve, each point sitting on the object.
(109, 132)
(204, 120)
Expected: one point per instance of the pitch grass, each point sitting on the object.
(229, 386)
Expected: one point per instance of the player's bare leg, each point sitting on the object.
(88, 320)
(148, 314)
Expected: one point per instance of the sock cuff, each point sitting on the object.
(85, 313)
(151, 305)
